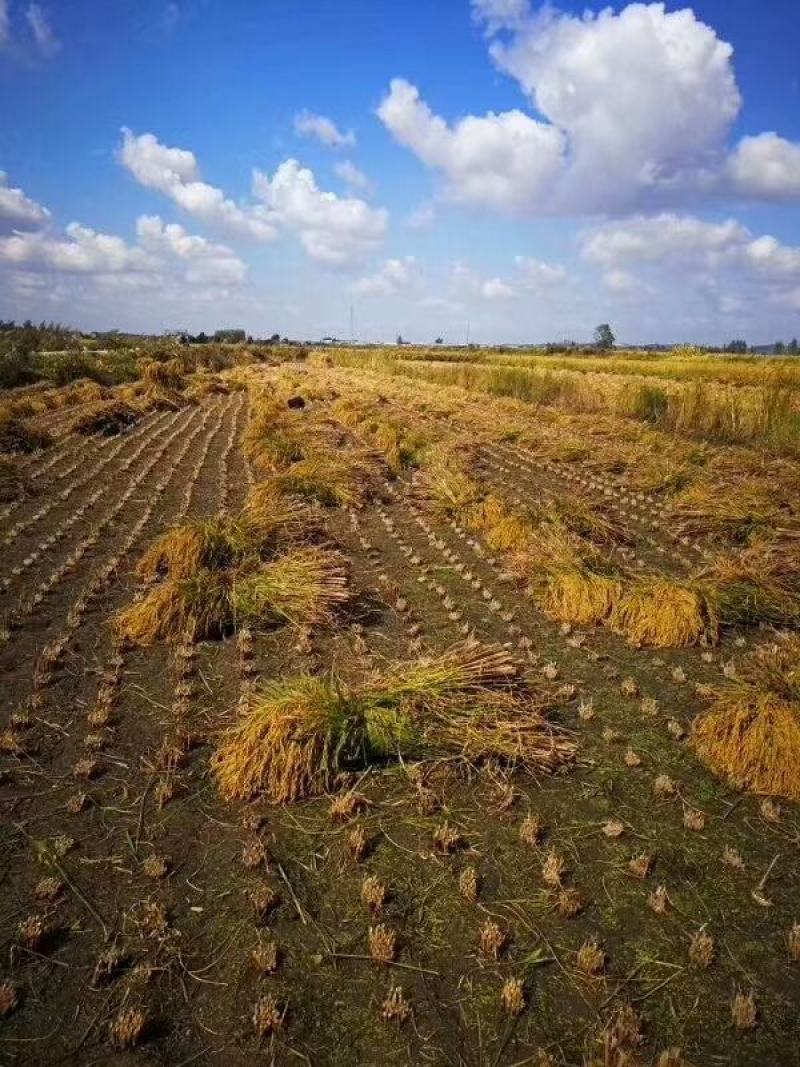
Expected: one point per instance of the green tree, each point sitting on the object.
(779, 348)
(604, 337)
(792, 347)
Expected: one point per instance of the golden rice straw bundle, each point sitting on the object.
(753, 739)
(660, 613)
(579, 596)
(726, 510)
(297, 735)
(757, 584)
(183, 550)
(284, 743)
(346, 479)
(276, 518)
(303, 587)
(465, 667)
(451, 492)
(200, 606)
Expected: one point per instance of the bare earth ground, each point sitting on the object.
(98, 806)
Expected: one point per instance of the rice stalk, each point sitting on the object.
(579, 596)
(296, 736)
(304, 587)
(205, 543)
(760, 583)
(199, 605)
(752, 737)
(346, 479)
(657, 612)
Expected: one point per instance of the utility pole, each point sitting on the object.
(352, 325)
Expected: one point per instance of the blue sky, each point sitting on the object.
(528, 170)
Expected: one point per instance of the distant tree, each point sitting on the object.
(792, 348)
(400, 340)
(779, 348)
(604, 337)
(737, 346)
(438, 341)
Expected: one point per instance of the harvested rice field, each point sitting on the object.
(356, 712)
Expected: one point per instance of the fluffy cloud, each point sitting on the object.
(620, 127)
(43, 33)
(500, 14)
(307, 124)
(537, 275)
(163, 255)
(507, 161)
(350, 174)
(682, 252)
(663, 238)
(766, 167)
(17, 209)
(175, 173)
(496, 289)
(206, 263)
(332, 229)
(393, 275)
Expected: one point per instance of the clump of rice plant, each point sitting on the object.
(661, 613)
(744, 1011)
(106, 417)
(304, 586)
(266, 955)
(512, 996)
(591, 958)
(9, 999)
(214, 544)
(373, 893)
(127, 1028)
(492, 939)
(382, 943)
(469, 885)
(17, 435)
(395, 1007)
(793, 942)
(751, 731)
(298, 735)
(199, 605)
(268, 1017)
(702, 949)
(448, 487)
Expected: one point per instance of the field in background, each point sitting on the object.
(402, 707)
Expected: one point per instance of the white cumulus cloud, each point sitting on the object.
(332, 229)
(163, 255)
(507, 161)
(678, 253)
(307, 124)
(392, 276)
(538, 275)
(634, 110)
(18, 210)
(766, 167)
(176, 173)
(350, 173)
